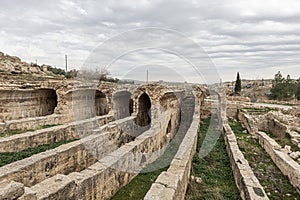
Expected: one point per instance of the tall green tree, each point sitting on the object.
(297, 95)
(238, 84)
(285, 89)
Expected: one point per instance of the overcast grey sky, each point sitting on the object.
(256, 38)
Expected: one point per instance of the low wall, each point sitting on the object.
(276, 127)
(245, 179)
(59, 133)
(104, 178)
(284, 162)
(36, 122)
(247, 122)
(232, 109)
(74, 156)
(172, 184)
(239, 98)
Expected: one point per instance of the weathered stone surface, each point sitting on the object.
(14, 65)
(238, 98)
(84, 177)
(69, 131)
(245, 179)
(284, 162)
(10, 190)
(58, 187)
(159, 191)
(65, 159)
(173, 183)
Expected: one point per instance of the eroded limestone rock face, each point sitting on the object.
(14, 65)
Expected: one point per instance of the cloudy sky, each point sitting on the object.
(256, 38)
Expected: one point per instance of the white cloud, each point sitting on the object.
(255, 37)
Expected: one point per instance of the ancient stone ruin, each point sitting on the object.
(74, 139)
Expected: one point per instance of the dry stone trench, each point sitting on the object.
(104, 136)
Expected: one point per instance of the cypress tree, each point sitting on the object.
(238, 84)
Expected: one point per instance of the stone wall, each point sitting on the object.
(19, 104)
(245, 179)
(232, 109)
(172, 184)
(267, 122)
(238, 98)
(84, 103)
(10, 190)
(284, 162)
(73, 130)
(274, 126)
(122, 104)
(36, 122)
(74, 156)
(104, 178)
(247, 122)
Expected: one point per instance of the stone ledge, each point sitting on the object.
(49, 135)
(51, 162)
(105, 177)
(283, 161)
(245, 179)
(11, 190)
(56, 187)
(172, 184)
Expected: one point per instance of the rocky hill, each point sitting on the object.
(14, 65)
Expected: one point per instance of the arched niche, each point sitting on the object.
(122, 104)
(144, 110)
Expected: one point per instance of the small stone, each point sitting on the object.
(288, 149)
(197, 179)
(295, 155)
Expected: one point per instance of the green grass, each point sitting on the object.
(138, 187)
(214, 169)
(48, 126)
(10, 157)
(19, 131)
(275, 184)
(14, 132)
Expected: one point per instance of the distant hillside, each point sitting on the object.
(14, 65)
(11, 68)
